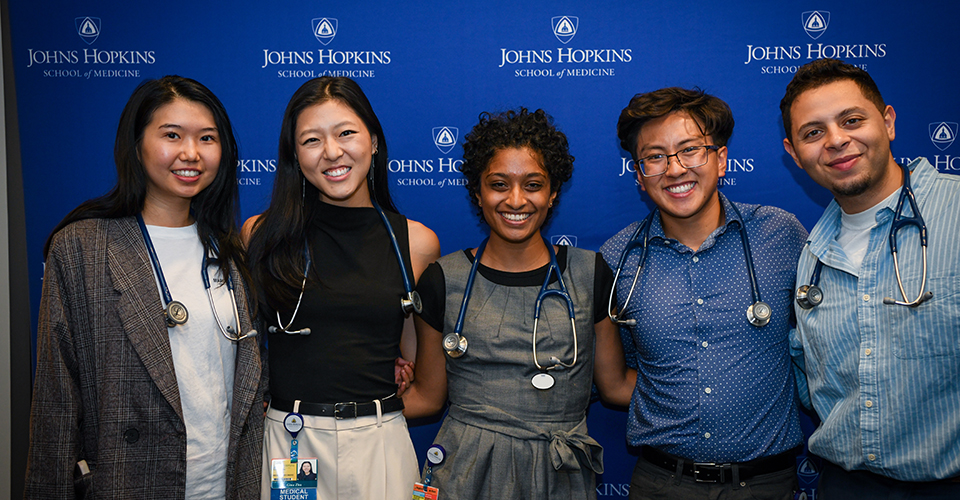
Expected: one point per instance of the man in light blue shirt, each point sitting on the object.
(882, 359)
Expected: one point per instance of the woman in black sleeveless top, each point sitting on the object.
(330, 284)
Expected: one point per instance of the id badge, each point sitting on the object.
(291, 480)
(421, 492)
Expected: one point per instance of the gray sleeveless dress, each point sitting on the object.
(505, 438)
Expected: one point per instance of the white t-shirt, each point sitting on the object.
(204, 361)
(855, 230)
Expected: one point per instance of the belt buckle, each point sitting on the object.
(339, 408)
(702, 471)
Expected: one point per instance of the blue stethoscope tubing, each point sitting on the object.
(228, 332)
(758, 313)
(409, 302)
(811, 295)
(455, 344)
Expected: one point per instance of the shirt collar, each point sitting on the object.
(730, 217)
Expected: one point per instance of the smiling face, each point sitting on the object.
(842, 141)
(334, 149)
(684, 196)
(515, 195)
(180, 153)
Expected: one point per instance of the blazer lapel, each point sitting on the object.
(140, 308)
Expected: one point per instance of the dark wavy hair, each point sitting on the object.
(816, 74)
(214, 208)
(516, 129)
(710, 113)
(279, 237)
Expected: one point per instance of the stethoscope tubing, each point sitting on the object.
(758, 314)
(410, 302)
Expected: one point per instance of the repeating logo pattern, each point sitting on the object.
(324, 28)
(445, 138)
(943, 134)
(815, 22)
(88, 28)
(565, 27)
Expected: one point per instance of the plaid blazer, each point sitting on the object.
(105, 388)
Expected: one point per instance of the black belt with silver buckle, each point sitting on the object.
(710, 472)
(341, 410)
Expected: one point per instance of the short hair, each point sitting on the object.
(516, 129)
(821, 72)
(711, 114)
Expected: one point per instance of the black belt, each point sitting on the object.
(341, 410)
(711, 472)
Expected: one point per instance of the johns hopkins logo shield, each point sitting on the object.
(943, 134)
(565, 27)
(815, 22)
(567, 240)
(445, 138)
(88, 28)
(324, 28)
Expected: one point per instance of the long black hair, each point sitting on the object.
(214, 208)
(276, 248)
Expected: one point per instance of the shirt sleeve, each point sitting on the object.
(433, 296)
(56, 407)
(602, 283)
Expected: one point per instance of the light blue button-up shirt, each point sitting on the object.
(885, 379)
(711, 387)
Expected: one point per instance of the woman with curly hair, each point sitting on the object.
(517, 370)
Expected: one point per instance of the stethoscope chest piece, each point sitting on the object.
(454, 344)
(542, 381)
(759, 313)
(176, 313)
(809, 296)
(411, 302)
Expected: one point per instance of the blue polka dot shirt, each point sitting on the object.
(711, 387)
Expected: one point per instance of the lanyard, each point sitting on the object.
(293, 423)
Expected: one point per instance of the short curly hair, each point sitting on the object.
(516, 129)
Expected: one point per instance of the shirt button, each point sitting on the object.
(869, 404)
(866, 297)
(867, 351)
(872, 457)
(704, 344)
(708, 390)
(696, 259)
(706, 435)
(700, 302)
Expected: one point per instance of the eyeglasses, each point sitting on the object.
(689, 157)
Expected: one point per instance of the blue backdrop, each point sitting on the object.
(429, 70)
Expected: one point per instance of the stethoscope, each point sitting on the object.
(409, 301)
(174, 312)
(809, 296)
(455, 344)
(758, 313)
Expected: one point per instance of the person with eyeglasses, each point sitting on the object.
(703, 296)
(880, 351)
